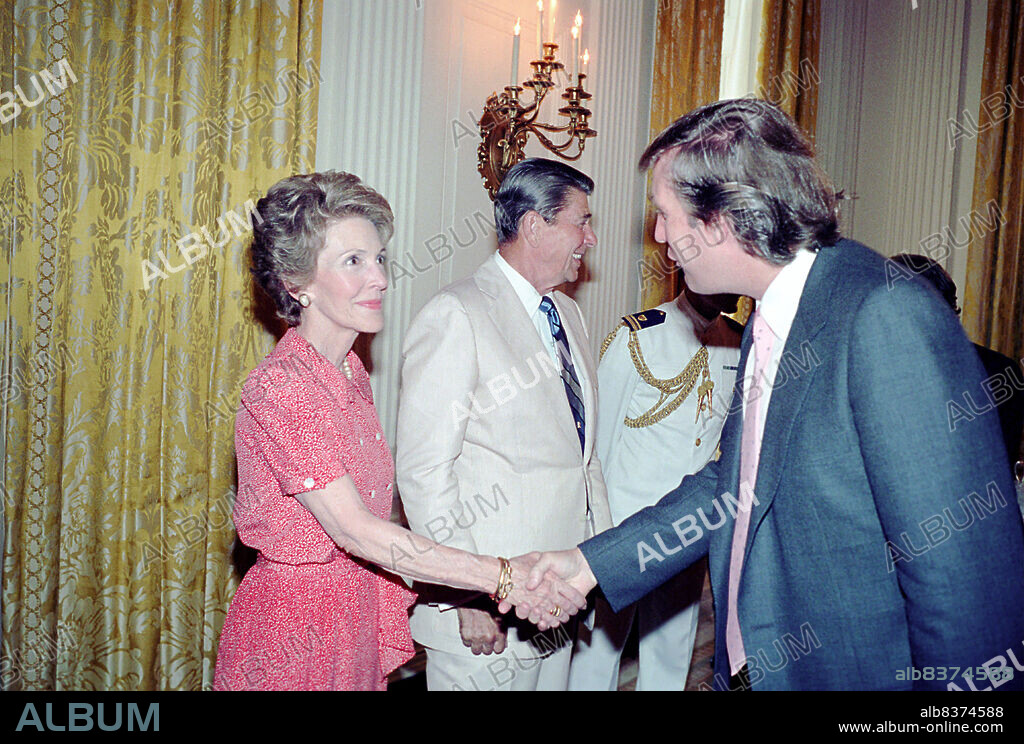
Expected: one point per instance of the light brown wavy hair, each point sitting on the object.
(296, 213)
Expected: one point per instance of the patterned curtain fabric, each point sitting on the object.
(994, 295)
(132, 138)
(787, 70)
(687, 67)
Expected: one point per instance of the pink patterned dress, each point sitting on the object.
(307, 616)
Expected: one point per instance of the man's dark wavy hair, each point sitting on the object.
(748, 161)
(538, 184)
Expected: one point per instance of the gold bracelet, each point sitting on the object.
(504, 581)
(498, 595)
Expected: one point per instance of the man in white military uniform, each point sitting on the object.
(664, 385)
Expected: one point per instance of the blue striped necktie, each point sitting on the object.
(573, 391)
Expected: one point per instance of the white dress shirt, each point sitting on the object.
(778, 308)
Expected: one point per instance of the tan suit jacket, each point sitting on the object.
(488, 459)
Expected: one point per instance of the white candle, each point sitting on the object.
(515, 54)
(579, 25)
(575, 52)
(551, 30)
(578, 36)
(540, 29)
(586, 58)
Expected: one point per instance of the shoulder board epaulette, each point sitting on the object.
(643, 319)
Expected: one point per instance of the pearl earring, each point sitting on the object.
(304, 299)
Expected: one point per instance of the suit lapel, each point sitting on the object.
(791, 385)
(516, 327)
(507, 311)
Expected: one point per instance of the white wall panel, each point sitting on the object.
(621, 71)
(404, 85)
(371, 59)
(840, 92)
(892, 78)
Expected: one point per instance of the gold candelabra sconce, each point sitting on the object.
(507, 122)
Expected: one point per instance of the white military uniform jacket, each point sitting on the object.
(641, 465)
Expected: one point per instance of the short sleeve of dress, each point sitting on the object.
(299, 428)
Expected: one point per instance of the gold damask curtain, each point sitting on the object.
(994, 295)
(787, 70)
(687, 67)
(132, 139)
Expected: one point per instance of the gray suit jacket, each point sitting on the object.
(882, 539)
(488, 459)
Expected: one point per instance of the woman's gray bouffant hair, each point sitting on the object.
(295, 215)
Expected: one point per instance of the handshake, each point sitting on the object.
(547, 589)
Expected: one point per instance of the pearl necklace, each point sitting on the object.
(346, 368)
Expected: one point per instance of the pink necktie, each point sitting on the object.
(750, 453)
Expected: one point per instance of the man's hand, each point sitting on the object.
(569, 565)
(542, 592)
(480, 631)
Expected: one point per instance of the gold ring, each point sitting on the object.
(556, 612)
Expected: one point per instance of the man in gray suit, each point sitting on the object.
(496, 428)
(855, 539)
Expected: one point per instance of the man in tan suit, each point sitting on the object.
(496, 428)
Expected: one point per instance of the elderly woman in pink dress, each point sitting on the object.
(322, 609)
